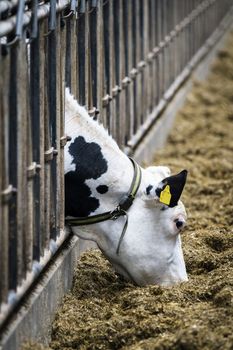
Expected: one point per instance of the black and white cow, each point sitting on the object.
(97, 175)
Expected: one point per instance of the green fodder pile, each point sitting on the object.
(105, 312)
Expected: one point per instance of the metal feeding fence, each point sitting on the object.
(123, 59)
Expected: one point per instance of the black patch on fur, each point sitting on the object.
(89, 164)
(88, 159)
(102, 189)
(78, 200)
(148, 189)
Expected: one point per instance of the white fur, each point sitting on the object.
(151, 251)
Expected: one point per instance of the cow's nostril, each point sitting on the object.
(179, 223)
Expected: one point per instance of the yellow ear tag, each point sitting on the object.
(165, 195)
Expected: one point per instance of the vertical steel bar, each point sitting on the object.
(4, 174)
(61, 101)
(130, 70)
(118, 87)
(57, 126)
(156, 52)
(69, 49)
(122, 110)
(165, 50)
(48, 151)
(35, 132)
(81, 55)
(107, 87)
(161, 53)
(21, 157)
(74, 56)
(12, 157)
(100, 63)
(150, 56)
(53, 127)
(21, 165)
(2, 170)
(182, 36)
(112, 79)
(145, 51)
(153, 27)
(93, 58)
(41, 207)
(138, 60)
(87, 56)
(127, 82)
(173, 43)
(30, 168)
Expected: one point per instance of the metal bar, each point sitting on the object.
(138, 59)
(57, 131)
(130, 98)
(40, 233)
(107, 58)
(21, 156)
(19, 19)
(87, 83)
(61, 116)
(31, 171)
(112, 74)
(154, 45)
(123, 84)
(145, 51)
(68, 54)
(35, 134)
(100, 57)
(12, 159)
(4, 177)
(48, 154)
(53, 127)
(126, 82)
(93, 58)
(74, 57)
(81, 54)
(117, 88)
(34, 20)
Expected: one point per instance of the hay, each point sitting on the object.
(105, 312)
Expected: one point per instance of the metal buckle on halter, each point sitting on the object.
(116, 213)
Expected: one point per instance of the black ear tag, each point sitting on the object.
(172, 188)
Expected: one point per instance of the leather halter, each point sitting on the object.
(121, 210)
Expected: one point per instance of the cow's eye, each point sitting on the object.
(164, 207)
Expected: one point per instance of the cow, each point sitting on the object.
(134, 215)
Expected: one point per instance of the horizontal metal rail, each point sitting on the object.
(122, 59)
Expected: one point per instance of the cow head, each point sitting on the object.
(150, 252)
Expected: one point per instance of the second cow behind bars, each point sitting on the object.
(133, 214)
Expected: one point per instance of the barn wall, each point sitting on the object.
(130, 77)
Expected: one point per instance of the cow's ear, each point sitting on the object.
(170, 189)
